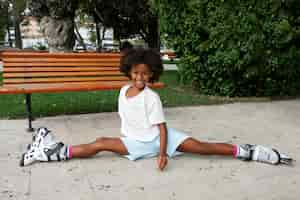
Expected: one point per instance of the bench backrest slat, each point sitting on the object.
(79, 59)
(59, 74)
(62, 80)
(74, 63)
(59, 69)
(32, 54)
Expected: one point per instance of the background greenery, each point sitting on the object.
(235, 47)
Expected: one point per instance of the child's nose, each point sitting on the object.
(139, 77)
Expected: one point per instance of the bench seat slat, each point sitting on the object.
(58, 69)
(63, 87)
(59, 74)
(57, 80)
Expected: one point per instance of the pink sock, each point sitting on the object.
(235, 150)
(70, 152)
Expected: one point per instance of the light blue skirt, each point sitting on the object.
(139, 149)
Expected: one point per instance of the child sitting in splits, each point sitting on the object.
(143, 126)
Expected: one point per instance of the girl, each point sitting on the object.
(143, 126)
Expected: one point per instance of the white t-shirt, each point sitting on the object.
(140, 114)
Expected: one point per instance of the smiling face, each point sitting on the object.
(140, 75)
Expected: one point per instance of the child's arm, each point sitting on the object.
(162, 158)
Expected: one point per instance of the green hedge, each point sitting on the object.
(235, 47)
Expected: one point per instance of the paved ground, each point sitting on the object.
(170, 67)
(109, 176)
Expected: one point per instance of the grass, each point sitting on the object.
(170, 62)
(13, 106)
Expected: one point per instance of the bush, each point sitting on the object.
(235, 48)
(40, 46)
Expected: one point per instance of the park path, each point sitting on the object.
(109, 176)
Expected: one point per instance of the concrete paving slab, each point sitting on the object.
(110, 176)
(170, 67)
(68, 182)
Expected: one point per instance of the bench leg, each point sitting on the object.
(29, 113)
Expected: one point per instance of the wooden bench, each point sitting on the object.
(42, 72)
(171, 55)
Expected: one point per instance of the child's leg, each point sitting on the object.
(45, 148)
(243, 152)
(192, 145)
(101, 144)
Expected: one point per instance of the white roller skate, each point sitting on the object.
(268, 155)
(43, 148)
(263, 154)
(38, 136)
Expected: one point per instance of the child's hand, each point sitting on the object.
(162, 161)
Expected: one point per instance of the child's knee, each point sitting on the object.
(102, 139)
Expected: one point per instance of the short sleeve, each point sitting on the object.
(156, 113)
(119, 102)
(121, 96)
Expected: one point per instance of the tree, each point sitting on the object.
(57, 22)
(86, 12)
(18, 7)
(11, 15)
(235, 48)
(129, 18)
(4, 18)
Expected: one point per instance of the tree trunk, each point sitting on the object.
(99, 40)
(59, 33)
(10, 42)
(18, 37)
(152, 37)
(57, 22)
(79, 37)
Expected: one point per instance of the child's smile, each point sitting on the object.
(140, 75)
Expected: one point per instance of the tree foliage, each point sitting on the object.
(53, 8)
(128, 18)
(235, 47)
